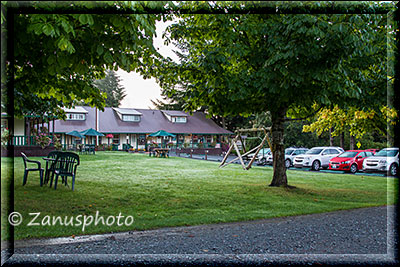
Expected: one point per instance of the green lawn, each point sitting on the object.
(178, 191)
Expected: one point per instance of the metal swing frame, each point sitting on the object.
(240, 157)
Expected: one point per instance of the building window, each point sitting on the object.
(115, 139)
(75, 117)
(130, 118)
(179, 119)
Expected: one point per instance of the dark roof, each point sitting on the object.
(75, 110)
(151, 121)
(175, 113)
(127, 111)
(71, 125)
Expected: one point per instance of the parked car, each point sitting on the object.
(386, 160)
(317, 157)
(349, 161)
(262, 154)
(290, 153)
(373, 150)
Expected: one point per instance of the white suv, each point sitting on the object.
(386, 160)
(290, 153)
(317, 157)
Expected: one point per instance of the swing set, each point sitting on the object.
(237, 138)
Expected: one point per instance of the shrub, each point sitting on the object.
(213, 144)
(200, 145)
(43, 140)
(57, 143)
(5, 137)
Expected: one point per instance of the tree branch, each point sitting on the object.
(300, 119)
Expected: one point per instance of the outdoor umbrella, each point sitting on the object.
(162, 133)
(109, 136)
(76, 134)
(91, 132)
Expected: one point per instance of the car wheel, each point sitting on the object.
(262, 161)
(393, 169)
(316, 165)
(353, 168)
(288, 163)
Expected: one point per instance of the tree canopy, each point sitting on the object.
(56, 55)
(283, 63)
(357, 122)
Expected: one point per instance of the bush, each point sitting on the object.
(57, 143)
(5, 137)
(213, 144)
(43, 140)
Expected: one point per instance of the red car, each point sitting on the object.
(349, 161)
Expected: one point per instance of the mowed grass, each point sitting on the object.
(161, 192)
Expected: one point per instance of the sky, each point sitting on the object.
(140, 91)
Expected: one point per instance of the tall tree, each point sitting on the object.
(111, 86)
(282, 63)
(57, 55)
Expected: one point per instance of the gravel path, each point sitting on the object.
(342, 235)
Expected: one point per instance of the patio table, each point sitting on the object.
(161, 152)
(49, 170)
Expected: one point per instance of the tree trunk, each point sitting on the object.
(278, 149)
(352, 141)
(223, 122)
(330, 137)
(342, 140)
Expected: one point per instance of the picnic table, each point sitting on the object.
(87, 149)
(161, 152)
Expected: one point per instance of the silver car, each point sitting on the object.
(290, 153)
(317, 157)
(261, 156)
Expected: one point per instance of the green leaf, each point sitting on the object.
(83, 19)
(100, 49)
(90, 20)
(108, 57)
(51, 59)
(48, 29)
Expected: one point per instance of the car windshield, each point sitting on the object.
(314, 151)
(386, 153)
(348, 154)
(289, 151)
(264, 151)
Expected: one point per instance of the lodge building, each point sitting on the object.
(129, 126)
